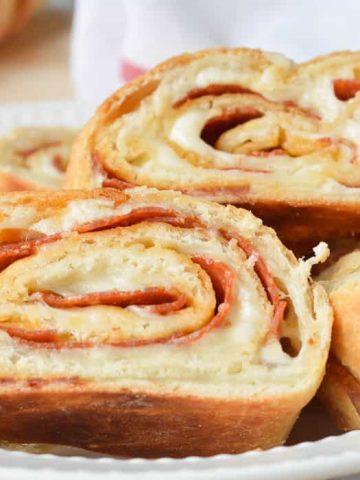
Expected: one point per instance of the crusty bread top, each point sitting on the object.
(232, 125)
(221, 259)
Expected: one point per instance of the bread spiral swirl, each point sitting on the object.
(111, 296)
(35, 158)
(237, 126)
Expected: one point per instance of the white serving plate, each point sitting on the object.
(328, 458)
(56, 113)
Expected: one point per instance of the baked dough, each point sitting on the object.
(238, 126)
(34, 158)
(145, 322)
(341, 387)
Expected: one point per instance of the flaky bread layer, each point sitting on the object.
(158, 374)
(250, 365)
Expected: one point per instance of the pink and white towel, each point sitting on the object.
(115, 40)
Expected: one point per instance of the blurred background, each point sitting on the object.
(34, 55)
(84, 49)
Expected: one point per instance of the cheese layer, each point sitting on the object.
(234, 124)
(240, 354)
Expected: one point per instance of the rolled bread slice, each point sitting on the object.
(149, 323)
(237, 126)
(35, 158)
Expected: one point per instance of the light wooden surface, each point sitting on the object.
(34, 64)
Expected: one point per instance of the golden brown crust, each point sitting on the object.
(340, 392)
(145, 425)
(342, 282)
(301, 227)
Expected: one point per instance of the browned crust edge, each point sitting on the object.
(302, 227)
(143, 424)
(340, 393)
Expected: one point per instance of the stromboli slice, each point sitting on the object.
(236, 126)
(340, 390)
(129, 318)
(328, 86)
(34, 158)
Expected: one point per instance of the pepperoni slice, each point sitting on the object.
(109, 181)
(148, 214)
(43, 146)
(215, 90)
(277, 318)
(267, 153)
(267, 280)
(211, 191)
(230, 118)
(11, 252)
(223, 280)
(245, 169)
(58, 163)
(17, 235)
(47, 337)
(116, 183)
(159, 299)
(346, 89)
(125, 220)
(305, 111)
